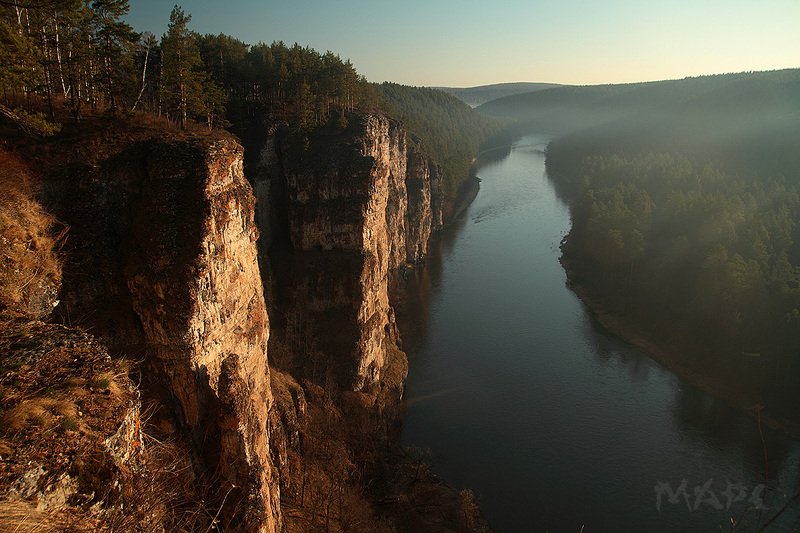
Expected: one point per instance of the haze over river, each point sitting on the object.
(553, 422)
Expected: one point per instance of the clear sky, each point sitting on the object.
(466, 42)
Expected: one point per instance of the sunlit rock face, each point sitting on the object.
(359, 205)
(424, 191)
(199, 297)
(164, 266)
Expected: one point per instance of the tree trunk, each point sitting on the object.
(58, 55)
(48, 77)
(144, 77)
(183, 105)
(109, 75)
(22, 122)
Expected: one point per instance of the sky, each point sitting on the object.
(464, 43)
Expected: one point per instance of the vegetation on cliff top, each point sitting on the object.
(65, 59)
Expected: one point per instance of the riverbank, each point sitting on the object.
(673, 357)
(466, 194)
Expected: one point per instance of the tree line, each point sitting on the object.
(701, 239)
(80, 56)
(64, 59)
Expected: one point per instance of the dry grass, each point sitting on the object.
(23, 516)
(53, 420)
(41, 412)
(30, 269)
(109, 381)
(166, 493)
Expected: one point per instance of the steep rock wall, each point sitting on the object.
(360, 202)
(424, 191)
(344, 213)
(199, 297)
(162, 263)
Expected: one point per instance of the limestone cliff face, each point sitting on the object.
(424, 190)
(200, 300)
(164, 264)
(359, 205)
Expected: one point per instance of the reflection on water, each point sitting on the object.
(553, 422)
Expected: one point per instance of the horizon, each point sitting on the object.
(574, 42)
(706, 75)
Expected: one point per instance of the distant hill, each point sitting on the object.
(684, 198)
(475, 96)
(725, 97)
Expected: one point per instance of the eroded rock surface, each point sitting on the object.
(162, 264)
(360, 204)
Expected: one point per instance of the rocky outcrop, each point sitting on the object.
(199, 297)
(70, 431)
(359, 203)
(424, 190)
(162, 263)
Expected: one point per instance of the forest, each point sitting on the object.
(686, 218)
(65, 60)
(448, 127)
(759, 96)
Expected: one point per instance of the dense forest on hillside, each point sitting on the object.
(81, 56)
(447, 126)
(686, 217)
(62, 60)
(569, 108)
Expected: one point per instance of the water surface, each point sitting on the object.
(554, 423)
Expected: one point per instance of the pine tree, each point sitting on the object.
(116, 41)
(188, 91)
(182, 75)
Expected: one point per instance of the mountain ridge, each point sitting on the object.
(480, 94)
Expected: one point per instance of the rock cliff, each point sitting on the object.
(162, 263)
(166, 265)
(199, 298)
(359, 203)
(424, 190)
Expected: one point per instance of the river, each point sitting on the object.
(555, 424)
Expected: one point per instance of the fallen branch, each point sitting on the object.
(30, 124)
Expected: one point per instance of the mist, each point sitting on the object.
(685, 199)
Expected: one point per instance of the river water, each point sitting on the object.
(554, 423)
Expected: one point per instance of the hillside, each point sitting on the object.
(745, 96)
(450, 129)
(685, 204)
(475, 96)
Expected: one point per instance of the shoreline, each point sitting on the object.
(664, 355)
(465, 195)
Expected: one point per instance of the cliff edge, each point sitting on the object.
(191, 279)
